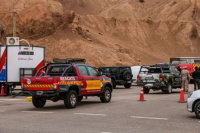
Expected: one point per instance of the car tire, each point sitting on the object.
(80, 98)
(127, 76)
(70, 99)
(127, 85)
(168, 89)
(197, 109)
(113, 83)
(38, 102)
(105, 97)
(146, 90)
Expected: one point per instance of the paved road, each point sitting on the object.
(160, 113)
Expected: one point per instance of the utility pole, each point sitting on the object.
(14, 24)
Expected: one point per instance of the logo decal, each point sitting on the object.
(25, 53)
(29, 81)
(67, 78)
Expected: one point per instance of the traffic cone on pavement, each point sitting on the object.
(182, 99)
(141, 95)
(2, 90)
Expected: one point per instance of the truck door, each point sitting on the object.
(93, 85)
(176, 76)
(85, 77)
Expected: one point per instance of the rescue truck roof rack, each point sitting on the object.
(69, 60)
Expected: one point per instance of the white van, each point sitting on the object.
(135, 71)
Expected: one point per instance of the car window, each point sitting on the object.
(92, 71)
(83, 70)
(105, 70)
(144, 70)
(174, 69)
(56, 70)
(113, 70)
(166, 69)
(71, 72)
(124, 69)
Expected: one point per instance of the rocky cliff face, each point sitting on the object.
(106, 32)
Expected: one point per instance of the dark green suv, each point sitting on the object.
(120, 75)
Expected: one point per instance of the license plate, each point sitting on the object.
(177, 79)
(129, 82)
(149, 78)
(39, 92)
(149, 85)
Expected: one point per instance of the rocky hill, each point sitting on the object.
(106, 32)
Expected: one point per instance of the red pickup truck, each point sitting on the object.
(68, 81)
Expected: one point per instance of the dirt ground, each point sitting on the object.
(106, 32)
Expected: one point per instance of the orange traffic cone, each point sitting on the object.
(141, 95)
(2, 90)
(182, 99)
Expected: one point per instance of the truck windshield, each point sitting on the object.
(144, 69)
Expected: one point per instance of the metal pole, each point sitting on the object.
(14, 24)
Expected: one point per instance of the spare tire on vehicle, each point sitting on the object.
(126, 75)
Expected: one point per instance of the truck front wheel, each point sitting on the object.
(38, 102)
(71, 99)
(197, 109)
(168, 89)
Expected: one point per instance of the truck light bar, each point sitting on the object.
(69, 60)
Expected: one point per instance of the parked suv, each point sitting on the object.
(159, 77)
(120, 75)
(68, 81)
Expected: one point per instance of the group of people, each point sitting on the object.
(185, 76)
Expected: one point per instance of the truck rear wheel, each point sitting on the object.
(71, 99)
(38, 102)
(106, 95)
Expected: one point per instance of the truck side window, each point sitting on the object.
(113, 70)
(92, 71)
(71, 72)
(83, 70)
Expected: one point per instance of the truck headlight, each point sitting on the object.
(190, 95)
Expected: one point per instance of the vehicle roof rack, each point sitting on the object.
(69, 60)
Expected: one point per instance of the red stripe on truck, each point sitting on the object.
(38, 89)
(3, 60)
(41, 64)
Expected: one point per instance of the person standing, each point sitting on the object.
(179, 69)
(196, 77)
(185, 78)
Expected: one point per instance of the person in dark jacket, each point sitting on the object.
(196, 77)
(179, 69)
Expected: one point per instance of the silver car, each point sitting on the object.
(193, 102)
